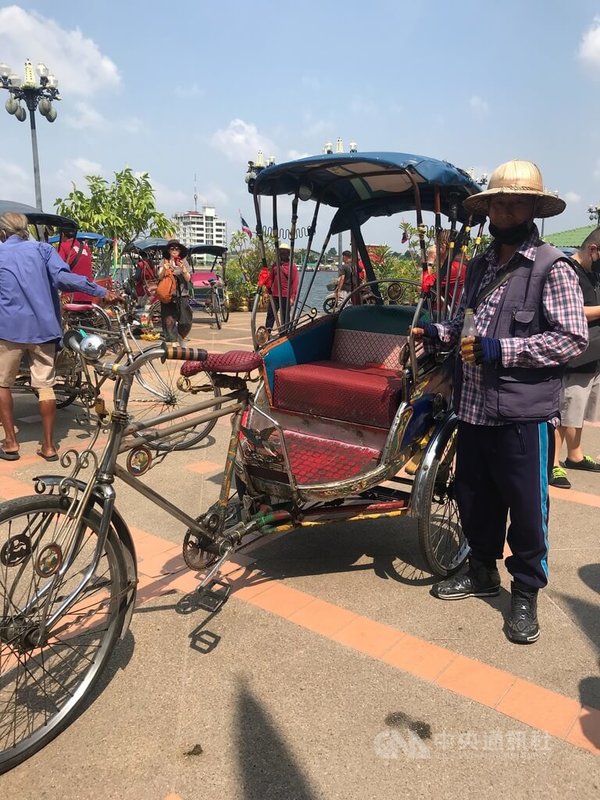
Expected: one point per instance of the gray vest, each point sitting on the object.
(518, 394)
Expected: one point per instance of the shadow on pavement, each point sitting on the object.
(267, 767)
(390, 547)
(587, 616)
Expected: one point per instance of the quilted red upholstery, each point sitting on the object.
(315, 460)
(232, 361)
(362, 395)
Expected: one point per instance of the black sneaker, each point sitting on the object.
(587, 463)
(522, 624)
(480, 580)
(559, 478)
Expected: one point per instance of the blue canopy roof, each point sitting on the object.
(364, 185)
(148, 244)
(37, 217)
(207, 249)
(95, 238)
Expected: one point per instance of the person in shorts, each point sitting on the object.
(580, 394)
(344, 284)
(31, 275)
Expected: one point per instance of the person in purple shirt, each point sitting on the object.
(31, 275)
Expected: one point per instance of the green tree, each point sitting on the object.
(244, 262)
(124, 210)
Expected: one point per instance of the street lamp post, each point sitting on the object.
(339, 148)
(36, 95)
(594, 212)
(256, 167)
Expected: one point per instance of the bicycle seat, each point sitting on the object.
(232, 361)
(78, 308)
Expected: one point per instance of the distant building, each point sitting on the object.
(201, 227)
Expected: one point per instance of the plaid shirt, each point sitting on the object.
(563, 309)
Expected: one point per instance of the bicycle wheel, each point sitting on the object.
(225, 307)
(216, 308)
(92, 320)
(440, 532)
(329, 305)
(155, 317)
(45, 682)
(158, 389)
(68, 378)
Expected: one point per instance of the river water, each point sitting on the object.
(318, 290)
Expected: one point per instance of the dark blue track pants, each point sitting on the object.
(500, 470)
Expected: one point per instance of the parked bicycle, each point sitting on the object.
(67, 560)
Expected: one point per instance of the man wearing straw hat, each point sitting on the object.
(529, 320)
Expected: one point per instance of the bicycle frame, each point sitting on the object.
(100, 484)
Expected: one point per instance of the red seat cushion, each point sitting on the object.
(362, 395)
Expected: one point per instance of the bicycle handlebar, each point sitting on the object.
(179, 353)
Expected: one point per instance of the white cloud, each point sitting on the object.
(317, 127)
(241, 141)
(16, 182)
(361, 105)
(589, 47)
(189, 92)
(310, 82)
(132, 125)
(572, 197)
(74, 171)
(86, 117)
(74, 58)
(292, 155)
(479, 107)
(169, 200)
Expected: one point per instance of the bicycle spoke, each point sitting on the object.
(45, 676)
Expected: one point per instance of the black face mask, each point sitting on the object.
(512, 235)
(596, 266)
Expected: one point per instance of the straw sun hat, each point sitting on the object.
(517, 177)
(175, 243)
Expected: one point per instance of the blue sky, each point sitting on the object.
(184, 88)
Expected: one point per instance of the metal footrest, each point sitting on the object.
(210, 599)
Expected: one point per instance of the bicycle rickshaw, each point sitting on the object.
(344, 402)
(209, 288)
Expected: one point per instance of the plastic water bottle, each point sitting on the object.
(469, 328)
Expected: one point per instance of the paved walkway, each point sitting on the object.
(331, 672)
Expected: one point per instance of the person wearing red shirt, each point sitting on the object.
(284, 285)
(78, 256)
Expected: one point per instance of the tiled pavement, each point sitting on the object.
(331, 672)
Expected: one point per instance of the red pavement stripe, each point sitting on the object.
(540, 708)
(161, 571)
(573, 496)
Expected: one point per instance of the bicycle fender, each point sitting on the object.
(124, 534)
(438, 438)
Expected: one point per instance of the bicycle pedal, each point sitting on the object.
(208, 599)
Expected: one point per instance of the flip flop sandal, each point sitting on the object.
(45, 457)
(8, 456)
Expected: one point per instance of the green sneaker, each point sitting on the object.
(559, 478)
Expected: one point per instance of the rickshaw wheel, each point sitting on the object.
(217, 310)
(225, 308)
(67, 390)
(330, 305)
(440, 532)
(154, 313)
